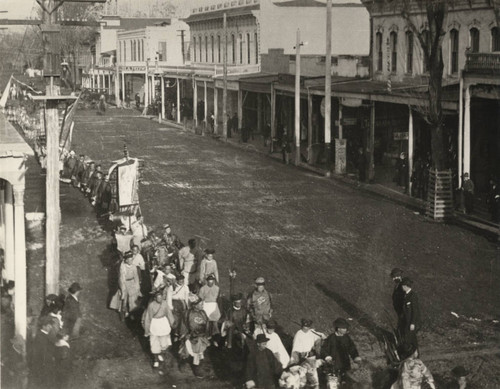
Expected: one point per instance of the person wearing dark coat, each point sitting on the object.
(262, 368)
(398, 294)
(42, 362)
(339, 348)
(410, 323)
(361, 165)
(72, 315)
(63, 361)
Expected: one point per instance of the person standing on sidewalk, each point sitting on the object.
(468, 192)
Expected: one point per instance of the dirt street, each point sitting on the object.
(325, 249)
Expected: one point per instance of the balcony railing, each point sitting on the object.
(485, 63)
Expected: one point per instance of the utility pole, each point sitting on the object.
(297, 99)
(182, 45)
(328, 86)
(224, 72)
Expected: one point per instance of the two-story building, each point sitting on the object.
(260, 42)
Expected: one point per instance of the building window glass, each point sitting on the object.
(495, 39)
(474, 40)
(201, 50)
(248, 48)
(394, 51)
(233, 47)
(240, 38)
(256, 48)
(206, 48)
(426, 39)
(212, 47)
(409, 52)
(194, 49)
(379, 48)
(162, 51)
(218, 49)
(454, 50)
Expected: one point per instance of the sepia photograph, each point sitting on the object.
(250, 194)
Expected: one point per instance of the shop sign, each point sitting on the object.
(351, 102)
(349, 121)
(400, 136)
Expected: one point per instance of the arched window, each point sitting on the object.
(454, 51)
(218, 49)
(495, 39)
(194, 49)
(212, 47)
(248, 48)
(233, 47)
(394, 51)
(474, 40)
(409, 52)
(379, 51)
(256, 48)
(240, 38)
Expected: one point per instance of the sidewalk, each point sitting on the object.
(256, 145)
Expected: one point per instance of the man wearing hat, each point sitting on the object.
(236, 323)
(275, 344)
(180, 301)
(42, 358)
(194, 330)
(209, 293)
(188, 263)
(259, 302)
(460, 378)
(171, 240)
(305, 342)
(410, 322)
(262, 368)
(339, 348)
(157, 321)
(72, 316)
(398, 294)
(208, 266)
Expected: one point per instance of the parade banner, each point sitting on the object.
(127, 183)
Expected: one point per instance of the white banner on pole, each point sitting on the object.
(127, 183)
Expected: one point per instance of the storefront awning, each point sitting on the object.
(260, 83)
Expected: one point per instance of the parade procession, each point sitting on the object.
(250, 194)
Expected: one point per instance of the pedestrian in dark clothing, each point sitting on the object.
(398, 294)
(402, 171)
(42, 358)
(410, 323)
(361, 164)
(338, 348)
(262, 368)
(285, 147)
(72, 316)
(234, 123)
(494, 200)
(266, 134)
(468, 191)
(63, 361)
(229, 124)
(50, 300)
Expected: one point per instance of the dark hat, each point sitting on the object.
(211, 277)
(51, 297)
(261, 338)
(179, 277)
(341, 323)
(260, 281)
(237, 297)
(406, 350)
(406, 281)
(459, 371)
(75, 287)
(209, 251)
(396, 272)
(166, 226)
(271, 324)
(306, 323)
(128, 255)
(191, 242)
(123, 228)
